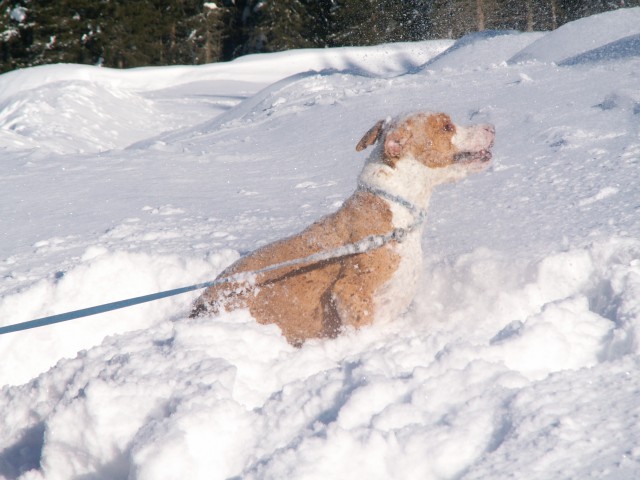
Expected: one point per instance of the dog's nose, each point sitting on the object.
(490, 133)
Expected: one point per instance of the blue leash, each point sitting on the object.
(107, 307)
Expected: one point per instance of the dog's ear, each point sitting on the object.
(396, 140)
(371, 136)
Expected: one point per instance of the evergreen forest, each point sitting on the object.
(126, 33)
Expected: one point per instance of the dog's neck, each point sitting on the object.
(392, 197)
(405, 180)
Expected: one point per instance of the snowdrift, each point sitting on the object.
(520, 356)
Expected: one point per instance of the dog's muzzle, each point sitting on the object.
(482, 156)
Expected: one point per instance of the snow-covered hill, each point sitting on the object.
(520, 357)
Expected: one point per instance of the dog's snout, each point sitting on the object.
(490, 133)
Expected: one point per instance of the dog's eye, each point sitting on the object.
(448, 127)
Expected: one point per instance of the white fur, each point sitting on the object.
(473, 138)
(413, 181)
(395, 296)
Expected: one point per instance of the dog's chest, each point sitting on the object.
(395, 295)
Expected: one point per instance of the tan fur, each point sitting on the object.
(370, 137)
(426, 137)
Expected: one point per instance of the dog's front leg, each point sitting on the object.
(347, 302)
(350, 300)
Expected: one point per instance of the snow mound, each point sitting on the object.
(620, 49)
(570, 40)
(216, 399)
(37, 105)
(482, 49)
(101, 277)
(40, 118)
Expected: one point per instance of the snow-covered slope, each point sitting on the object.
(520, 357)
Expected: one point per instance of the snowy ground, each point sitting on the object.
(520, 357)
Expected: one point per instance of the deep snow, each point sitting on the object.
(518, 359)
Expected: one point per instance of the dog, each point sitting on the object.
(413, 154)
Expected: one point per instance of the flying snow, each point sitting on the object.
(520, 355)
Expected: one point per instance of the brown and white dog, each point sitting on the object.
(415, 153)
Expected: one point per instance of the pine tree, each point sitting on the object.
(205, 33)
(271, 26)
(455, 18)
(370, 22)
(15, 33)
(318, 28)
(193, 32)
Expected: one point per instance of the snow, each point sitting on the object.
(520, 356)
(582, 36)
(18, 14)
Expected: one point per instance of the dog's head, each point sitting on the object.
(433, 140)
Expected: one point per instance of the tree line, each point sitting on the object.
(126, 33)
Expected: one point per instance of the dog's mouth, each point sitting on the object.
(481, 156)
